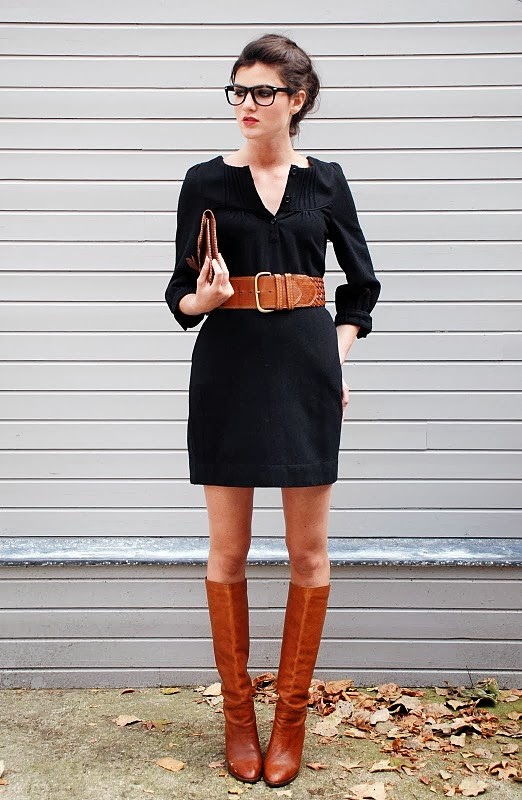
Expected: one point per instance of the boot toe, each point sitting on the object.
(280, 774)
(248, 772)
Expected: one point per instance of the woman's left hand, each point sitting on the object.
(346, 395)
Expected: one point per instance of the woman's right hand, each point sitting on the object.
(212, 295)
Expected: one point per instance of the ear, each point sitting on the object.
(297, 101)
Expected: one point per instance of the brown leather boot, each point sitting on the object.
(228, 609)
(305, 614)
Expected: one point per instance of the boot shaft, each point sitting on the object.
(304, 621)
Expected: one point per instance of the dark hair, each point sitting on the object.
(293, 64)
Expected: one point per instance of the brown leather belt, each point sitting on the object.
(271, 291)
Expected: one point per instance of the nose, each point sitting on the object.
(249, 101)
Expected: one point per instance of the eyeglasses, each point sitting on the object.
(262, 95)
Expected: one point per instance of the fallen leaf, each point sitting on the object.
(374, 791)
(381, 715)
(170, 690)
(336, 687)
(504, 769)
(344, 708)
(214, 764)
(125, 719)
(454, 704)
(2, 768)
(405, 703)
(327, 726)
(159, 724)
(316, 766)
(471, 787)
(381, 766)
(445, 774)
(284, 792)
(350, 766)
(459, 741)
(354, 733)
(214, 701)
(172, 764)
(213, 690)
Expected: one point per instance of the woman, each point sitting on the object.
(266, 393)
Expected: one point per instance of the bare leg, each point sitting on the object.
(306, 510)
(230, 530)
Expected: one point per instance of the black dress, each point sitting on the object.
(265, 390)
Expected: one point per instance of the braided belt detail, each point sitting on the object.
(269, 291)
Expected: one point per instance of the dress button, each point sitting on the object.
(287, 198)
(273, 221)
(294, 170)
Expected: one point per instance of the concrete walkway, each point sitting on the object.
(65, 745)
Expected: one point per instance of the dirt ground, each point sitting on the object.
(63, 744)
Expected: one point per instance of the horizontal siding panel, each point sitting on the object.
(168, 464)
(362, 165)
(159, 406)
(168, 376)
(354, 435)
(165, 347)
(167, 435)
(264, 653)
(71, 678)
(160, 226)
(189, 624)
(353, 493)
(192, 135)
(159, 256)
(156, 197)
(169, 73)
(271, 12)
(199, 40)
(148, 287)
(111, 317)
(453, 436)
(130, 103)
(179, 593)
(193, 521)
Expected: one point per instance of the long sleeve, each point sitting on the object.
(184, 278)
(355, 299)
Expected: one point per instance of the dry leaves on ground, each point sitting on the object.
(126, 719)
(172, 764)
(374, 791)
(409, 726)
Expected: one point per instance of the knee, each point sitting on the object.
(229, 563)
(309, 562)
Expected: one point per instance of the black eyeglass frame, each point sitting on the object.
(251, 89)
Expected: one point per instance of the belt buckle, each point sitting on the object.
(257, 291)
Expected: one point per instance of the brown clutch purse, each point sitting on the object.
(206, 243)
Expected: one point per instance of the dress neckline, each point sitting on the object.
(310, 159)
(294, 169)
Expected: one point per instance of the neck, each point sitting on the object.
(269, 154)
